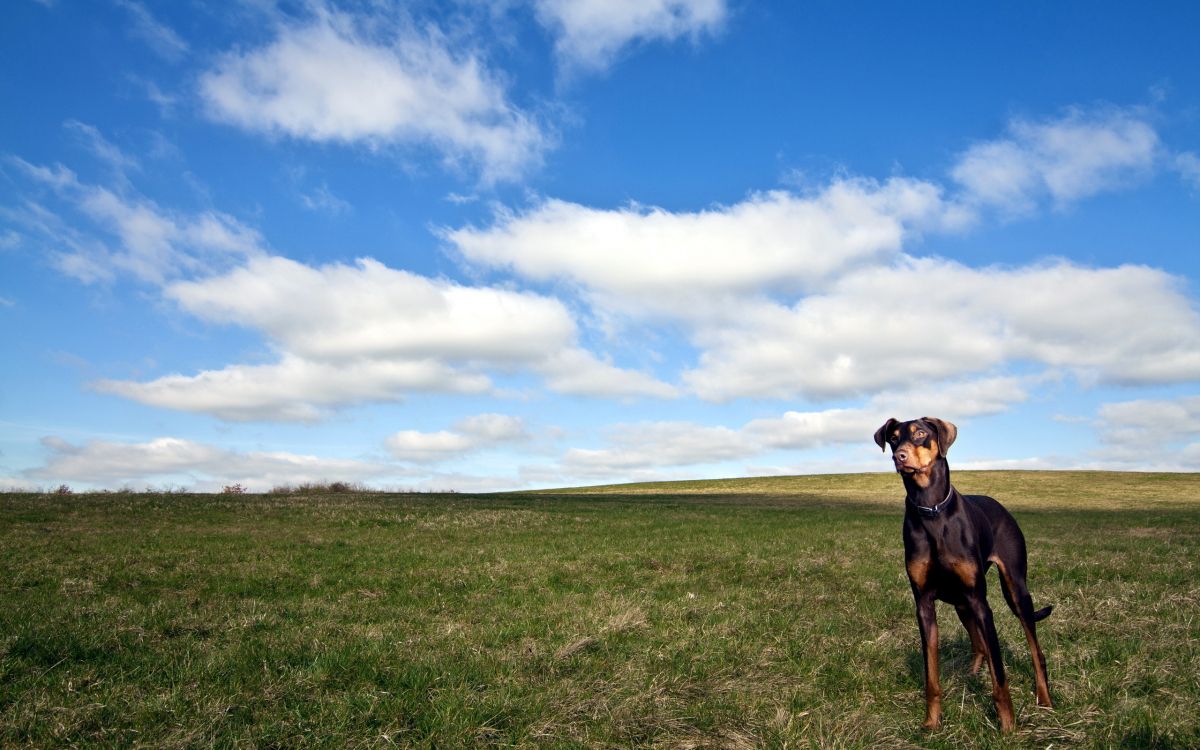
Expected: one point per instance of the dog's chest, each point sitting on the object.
(944, 560)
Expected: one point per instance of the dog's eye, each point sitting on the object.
(919, 434)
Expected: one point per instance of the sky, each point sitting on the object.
(469, 245)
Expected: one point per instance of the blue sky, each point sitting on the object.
(526, 243)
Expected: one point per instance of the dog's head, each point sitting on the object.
(916, 444)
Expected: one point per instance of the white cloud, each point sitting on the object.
(327, 82)
(657, 444)
(813, 296)
(342, 334)
(635, 449)
(579, 372)
(1150, 434)
(144, 240)
(296, 389)
(930, 319)
(952, 400)
(353, 334)
(656, 261)
(591, 33)
(371, 310)
(468, 435)
(1149, 424)
(203, 466)
(1065, 159)
(155, 245)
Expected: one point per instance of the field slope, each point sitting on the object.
(736, 613)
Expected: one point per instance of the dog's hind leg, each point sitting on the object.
(1016, 594)
(978, 646)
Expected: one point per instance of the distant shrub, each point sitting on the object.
(321, 488)
(64, 489)
(233, 489)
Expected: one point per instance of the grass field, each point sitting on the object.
(748, 613)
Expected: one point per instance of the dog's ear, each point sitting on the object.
(881, 433)
(946, 433)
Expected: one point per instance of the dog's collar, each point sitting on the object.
(934, 511)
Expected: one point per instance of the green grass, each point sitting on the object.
(745, 613)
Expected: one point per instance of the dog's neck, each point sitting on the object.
(928, 488)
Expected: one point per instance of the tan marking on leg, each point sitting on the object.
(966, 570)
(918, 571)
(1004, 707)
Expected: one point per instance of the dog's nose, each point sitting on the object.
(901, 456)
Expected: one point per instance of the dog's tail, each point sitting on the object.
(1042, 613)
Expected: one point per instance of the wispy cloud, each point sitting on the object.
(322, 199)
(1187, 164)
(161, 38)
(112, 231)
(102, 148)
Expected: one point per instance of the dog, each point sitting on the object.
(950, 541)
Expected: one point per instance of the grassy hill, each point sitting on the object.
(1018, 489)
(731, 614)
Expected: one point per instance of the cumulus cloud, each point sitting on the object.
(342, 334)
(326, 81)
(934, 319)
(204, 466)
(591, 33)
(1064, 159)
(814, 296)
(369, 309)
(468, 435)
(350, 334)
(651, 260)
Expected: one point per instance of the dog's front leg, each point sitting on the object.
(927, 622)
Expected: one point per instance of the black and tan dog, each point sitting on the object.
(950, 540)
